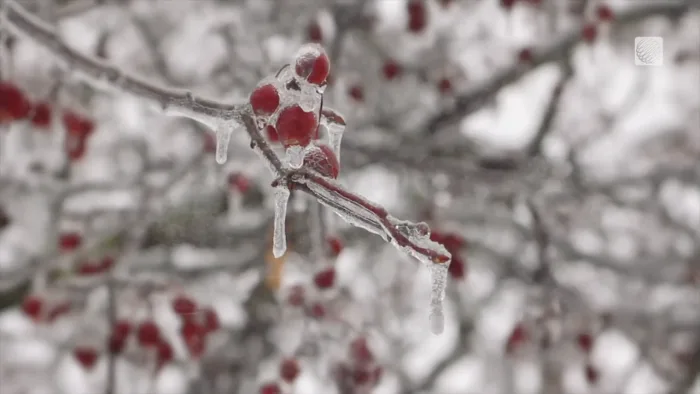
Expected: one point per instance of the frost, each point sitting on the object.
(295, 156)
(279, 237)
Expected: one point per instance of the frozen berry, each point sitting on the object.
(148, 334)
(456, 269)
(211, 320)
(604, 13)
(265, 99)
(508, 4)
(525, 56)
(325, 279)
(69, 241)
(591, 374)
(75, 147)
(13, 103)
(333, 117)
(239, 182)
(77, 124)
(33, 306)
(165, 353)
(417, 15)
(322, 160)
(360, 352)
(41, 115)
(335, 245)
(589, 32)
(585, 342)
(86, 356)
(272, 133)
(183, 305)
(391, 70)
(312, 64)
(296, 126)
(516, 338)
(317, 311)
(289, 370)
(356, 93)
(270, 388)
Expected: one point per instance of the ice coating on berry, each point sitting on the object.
(294, 156)
(322, 160)
(265, 99)
(312, 64)
(335, 124)
(296, 126)
(279, 237)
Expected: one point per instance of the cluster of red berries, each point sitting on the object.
(454, 244)
(16, 106)
(70, 241)
(361, 370)
(41, 310)
(289, 370)
(197, 324)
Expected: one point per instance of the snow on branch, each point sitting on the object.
(410, 238)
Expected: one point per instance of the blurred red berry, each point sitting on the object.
(121, 328)
(193, 334)
(41, 115)
(211, 320)
(33, 306)
(517, 337)
(391, 70)
(312, 64)
(148, 334)
(335, 245)
(585, 342)
(589, 32)
(604, 13)
(360, 352)
(325, 279)
(317, 311)
(184, 305)
(13, 103)
(525, 56)
(265, 99)
(89, 268)
(209, 143)
(239, 182)
(75, 147)
(270, 388)
(445, 86)
(296, 295)
(314, 33)
(86, 356)
(508, 4)
(165, 353)
(446, 3)
(69, 241)
(289, 370)
(296, 126)
(5, 219)
(322, 160)
(333, 117)
(356, 93)
(77, 124)
(417, 15)
(457, 268)
(116, 345)
(57, 311)
(591, 374)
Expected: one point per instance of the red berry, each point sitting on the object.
(165, 353)
(209, 143)
(333, 117)
(148, 334)
(360, 352)
(33, 306)
(296, 126)
(265, 99)
(88, 268)
(517, 337)
(456, 269)
(325, 279)
(106, 263)
(69, 241)
(193, 334)
(589, 32)
(445, 86)
(508, 4)
(525, 56)
(604, 13)
(585, 342)
(356, 93)
(239, 182)
(116, 345)
(322, 160)
(417, 16)
(296, 296)
(183, 305)
(312, 64)
(211, 320)
(289, 370)
(314, 33)
(13, 103)
(335, 245)
(42, 115)
(270, 388)
(391, 70)
(86, 356)
(317, 310)
(58, 311)
(121, 329)
(272, 134)
(591, 374)
(75, 147)
(77, 124)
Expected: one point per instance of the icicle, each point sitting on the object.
(223, 137)
(438, 277)
(335, 124)
(279, 237)
(295, 156)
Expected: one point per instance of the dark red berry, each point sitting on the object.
(589, 33)
(296, 295)
(312, 64)
(121, 329)
(41, 115)
(165, 353)
(591, 374)
(265, 99)
(270, 388)
(517, 337)
(13, 103)
(69, 241)
(325, 279)
(391, 70)
(148, 334)
(525, 56)
(296, 126)
(457, 269)
(333, 117)
(33, 306)
(322, 160)
(239, 182)
(86, 356)
(57, 311)
(508, 4)
(289, 370)
(77, 124)
(314, 33)
(75, 147)
(272, 133)
(445, 86)
(356, 93)
(210, 320)
(585, 342)
(193, 334)
(605, 13)
(317, 311)
(335, 245)
(183, 305)
(360, 352)
(116, 345)
(417, 16)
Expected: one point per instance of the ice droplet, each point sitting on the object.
(438, 276)
(295, 156)
(279, 237)
(223, 137)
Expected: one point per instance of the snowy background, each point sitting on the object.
(594, 233)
